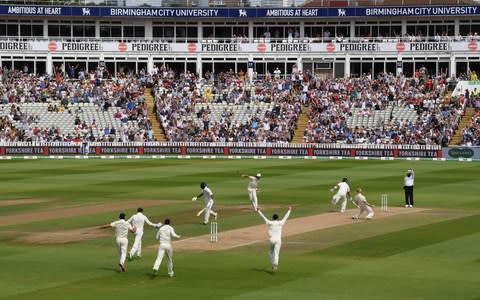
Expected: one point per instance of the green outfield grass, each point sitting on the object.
(429, 255)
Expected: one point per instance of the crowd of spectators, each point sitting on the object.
(335, 101)
(122, 96)
(181, 102)
(183, 106)
(333, 104)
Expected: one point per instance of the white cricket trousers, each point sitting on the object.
(208, 211)
(162, 250)
(122, 245)
(274, 251)
(366, 209)
(343, 198)
(137, 244)
(252, 193)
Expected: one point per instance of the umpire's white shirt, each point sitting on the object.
(408, 180)
(165, 234)
(121, 228)
(138, 220)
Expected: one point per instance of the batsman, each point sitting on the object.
(207, 210)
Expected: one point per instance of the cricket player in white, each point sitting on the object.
(164, 235)
(138, 220)
(343, 191)
(275, 236)
(253, 188)
(121, 235)
(361, 202)
(207, 210)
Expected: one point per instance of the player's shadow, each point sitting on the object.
(267, 271)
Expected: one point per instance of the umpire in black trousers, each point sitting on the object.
(408, 187)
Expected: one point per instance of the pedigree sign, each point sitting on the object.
(153, 47)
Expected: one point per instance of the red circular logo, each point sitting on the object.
(52, 46)
(330, 47)
(192, 47)
(261, 47)
(472, 46)
(400, 46)
(122, 47)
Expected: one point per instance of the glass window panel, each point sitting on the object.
(89, 31)
(53, 30)
(25, 30)
(128, 31)
(116, 31)
(3, 29)
(12, 29)
(65, 30)
(169, 31)
(139, 31)
(37, 30)
(77, 31)
(157, 32)
(105, 31)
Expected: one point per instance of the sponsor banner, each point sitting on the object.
(218, 47)
(264, 13)
(116, 150)
(418, 153)
(54, 150)
(461, 152)
(161, 150)
(309, 151)
(331, 152)
(288, 151)
(374, 153)
(247, 151)
(204, 150)
(22, 150)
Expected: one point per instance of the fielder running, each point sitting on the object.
(121, 236)
(207, 210)
(138, 220)
(342, 194)
(361, 202)
(164, 235)
(253, 188)
(275, 236)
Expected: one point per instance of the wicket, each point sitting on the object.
(213, 232)
(384, 202)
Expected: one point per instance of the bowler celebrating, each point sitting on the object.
(121, 233)
(275, 236)
(138, 220)
(164, 235)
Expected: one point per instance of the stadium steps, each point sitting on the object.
(466, 118)
(301, 125)
(157, 129)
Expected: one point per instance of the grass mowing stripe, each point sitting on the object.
(406, 240)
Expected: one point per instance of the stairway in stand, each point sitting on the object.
(301, 125)
(467, 117)
(157, 128)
